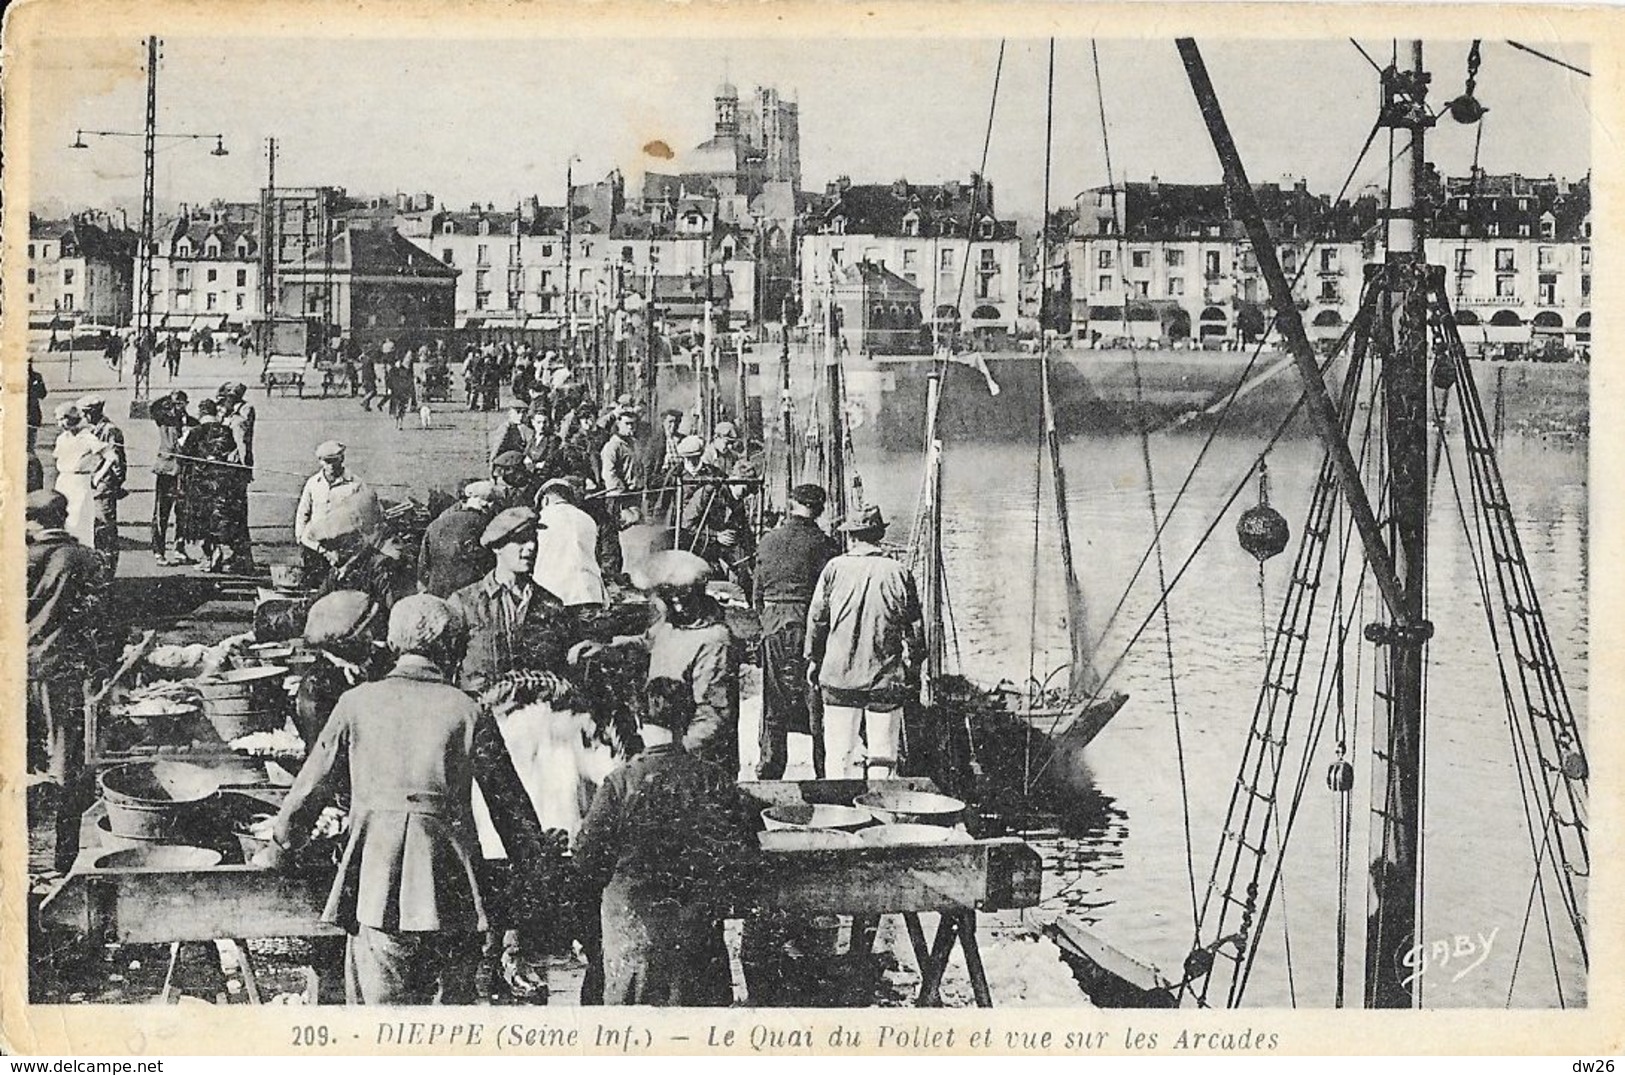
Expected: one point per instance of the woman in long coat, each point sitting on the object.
(667, 842)
(211, 482)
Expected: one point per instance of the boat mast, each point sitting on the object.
(1395, 864)
(833, 433)
(1399, 573)
(934, 621)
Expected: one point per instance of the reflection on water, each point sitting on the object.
(1121, 864)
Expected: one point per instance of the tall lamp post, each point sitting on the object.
(149, 136)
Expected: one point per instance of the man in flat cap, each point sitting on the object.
(510, 481)
(107, 483)
(169, 414)
(237, 414)
(64, 591)
(344, 629)
(512, 622)
(865, 645)
(411, 893)
(330, 486)
(788, 562)
(452, 556)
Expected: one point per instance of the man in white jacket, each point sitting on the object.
(566, 549)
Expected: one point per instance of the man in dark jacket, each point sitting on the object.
(512, 622)
(64, 590)
(452, 555)
(788, 562)
(107, 484)
(172, 419)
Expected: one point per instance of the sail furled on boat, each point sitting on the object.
(1083, 680)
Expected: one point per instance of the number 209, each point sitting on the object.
(311, 1035)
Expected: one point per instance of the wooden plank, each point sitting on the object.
(148, 907)
(985, 874)
(1111, 977)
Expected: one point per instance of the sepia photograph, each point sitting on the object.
(714, 514)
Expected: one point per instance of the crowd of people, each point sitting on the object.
(508, 677)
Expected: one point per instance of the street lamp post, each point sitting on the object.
(149, 136)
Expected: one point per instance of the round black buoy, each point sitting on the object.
(1262, 530)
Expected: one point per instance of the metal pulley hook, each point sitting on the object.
(1466, 108)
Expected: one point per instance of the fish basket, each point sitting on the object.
(160, 857)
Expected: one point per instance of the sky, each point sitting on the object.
(493, 121)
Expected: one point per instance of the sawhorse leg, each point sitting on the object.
(952, 926)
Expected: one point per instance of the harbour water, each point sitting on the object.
(1122, 868)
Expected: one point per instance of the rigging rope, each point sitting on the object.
(1156, 521)
(1043, 397)
(1550, 59)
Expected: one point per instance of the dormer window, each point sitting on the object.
(986, 229)
(183, 249)
(212, 250)
(911, 225)
(448, 228)
(242, 248)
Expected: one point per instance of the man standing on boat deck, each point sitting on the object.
(788, 563)
(865, 645)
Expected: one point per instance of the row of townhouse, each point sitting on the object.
(1167, 261)
(525, 266)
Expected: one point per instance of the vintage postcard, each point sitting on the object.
(1015, 529)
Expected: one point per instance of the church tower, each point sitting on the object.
(727, 100)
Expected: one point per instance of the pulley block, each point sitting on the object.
(1340, 775)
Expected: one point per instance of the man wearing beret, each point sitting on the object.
(64, 590)
(512, 622)
(107, 483)
(324, 490)
(452, 556)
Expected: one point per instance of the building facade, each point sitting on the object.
(82, 270)
(206, 269)
(520, 269)
(943, 239)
